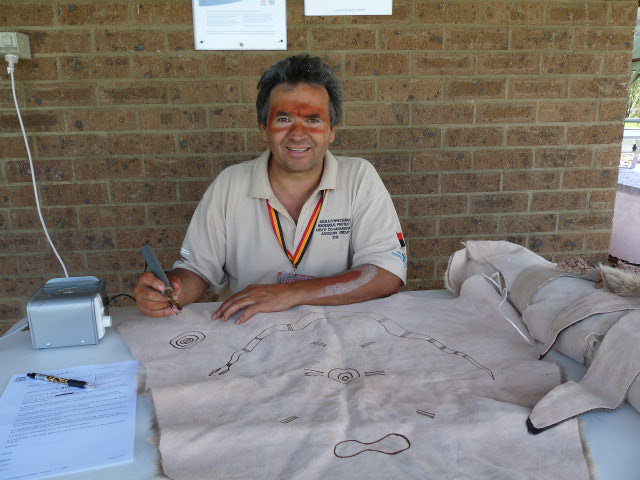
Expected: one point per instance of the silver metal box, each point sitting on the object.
(67, 312)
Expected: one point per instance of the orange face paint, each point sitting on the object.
(298, 129)
(293, 113)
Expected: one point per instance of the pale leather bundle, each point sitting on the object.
(575, 309)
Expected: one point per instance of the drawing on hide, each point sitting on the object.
(187, 339)
(390, 444)
(390, 326)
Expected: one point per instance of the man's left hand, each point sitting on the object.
(275, 297)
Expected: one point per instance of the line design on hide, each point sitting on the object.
(391, 444)
(289, 419)
(424, 413)
(390, 326)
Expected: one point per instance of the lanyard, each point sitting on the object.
(306, 237)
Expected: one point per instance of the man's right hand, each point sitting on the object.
(150, 298)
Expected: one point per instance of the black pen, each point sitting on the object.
(60, 380)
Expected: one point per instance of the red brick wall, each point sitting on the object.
(492, 120)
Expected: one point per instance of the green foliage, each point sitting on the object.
(633, 105)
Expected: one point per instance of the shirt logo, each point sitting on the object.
(401, 255)
(334, 227)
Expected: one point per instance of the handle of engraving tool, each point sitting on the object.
(154, 265)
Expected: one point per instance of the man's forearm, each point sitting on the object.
(362, 283)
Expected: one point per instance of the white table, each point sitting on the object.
(613, 437)
(18, 356)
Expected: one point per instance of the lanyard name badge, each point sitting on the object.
(296, 257)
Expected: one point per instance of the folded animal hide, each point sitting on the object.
(567, 309)
(604, 385)
(397, 388)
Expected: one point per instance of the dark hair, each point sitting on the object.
(299, 69)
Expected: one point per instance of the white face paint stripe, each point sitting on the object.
(368, 272)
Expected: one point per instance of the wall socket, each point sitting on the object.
(15, 43)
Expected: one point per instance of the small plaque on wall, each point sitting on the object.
(347, 7)
(240, 24)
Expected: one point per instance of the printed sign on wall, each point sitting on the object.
(240, 24)
(347, 7)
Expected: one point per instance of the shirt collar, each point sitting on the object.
(261, 188)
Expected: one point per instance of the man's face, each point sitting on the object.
(298, 129)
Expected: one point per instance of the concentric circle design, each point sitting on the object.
(187, 339)
(343, 375)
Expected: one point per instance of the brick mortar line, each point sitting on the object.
(231, 130)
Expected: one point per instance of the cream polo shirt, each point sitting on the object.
(230, 239)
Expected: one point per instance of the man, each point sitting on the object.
(294, 226)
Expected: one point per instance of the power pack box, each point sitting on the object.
(67, 312)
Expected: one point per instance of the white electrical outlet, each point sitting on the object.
(14, 43)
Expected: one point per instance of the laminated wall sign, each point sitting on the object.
(347, 7)
(240, 24)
